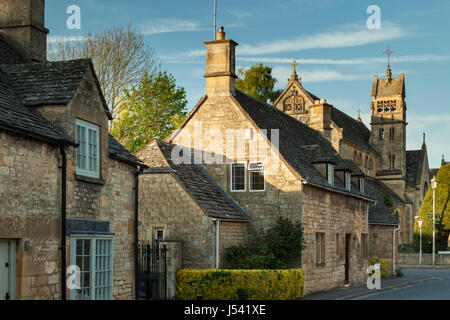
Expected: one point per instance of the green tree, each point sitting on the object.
(258, 82)
(151, 111)
(442, 207)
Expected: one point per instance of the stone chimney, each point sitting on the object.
(220, 66)
(23, 22)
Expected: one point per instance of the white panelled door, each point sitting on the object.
(5, 264)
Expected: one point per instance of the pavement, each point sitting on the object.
(411, 277)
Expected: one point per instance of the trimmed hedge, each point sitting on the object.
(383, 266)
(224, 284)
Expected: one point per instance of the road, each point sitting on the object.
(438, 289)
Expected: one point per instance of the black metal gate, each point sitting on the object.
(152, 271)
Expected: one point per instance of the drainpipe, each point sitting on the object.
(136, 230)
(393, 249)
(63, 168)
(217, 221)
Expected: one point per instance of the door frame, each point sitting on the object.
(11, 267)
(348, 242)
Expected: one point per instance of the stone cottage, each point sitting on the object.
(66, 185)
(268, 163)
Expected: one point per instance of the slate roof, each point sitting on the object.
(119, 152)
(414, 163)
(196, 181)
(380, 214)
(353, 131)
(15, 116)
(300, 145)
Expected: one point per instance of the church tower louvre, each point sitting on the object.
(388, 128)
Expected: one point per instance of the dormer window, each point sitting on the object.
(88, 151)
(361, 185)
(330, 174)
(348, 181)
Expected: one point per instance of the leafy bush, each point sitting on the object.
(383, 266)
(268, 249)
(215, 284)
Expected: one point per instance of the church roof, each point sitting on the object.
(300, 145)
(414, 164)
(196, 181)
(353, 130)
(380, 213)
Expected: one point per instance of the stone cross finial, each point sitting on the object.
(388, 52)
(294, 72)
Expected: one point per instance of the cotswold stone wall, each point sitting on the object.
(30, 210)
(163, 203)
(281, 197)
(380, 239)
(333, 214)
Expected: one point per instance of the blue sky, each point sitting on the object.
(338, 54)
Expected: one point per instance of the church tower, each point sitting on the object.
(388, 128)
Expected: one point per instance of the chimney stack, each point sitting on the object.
(23, 21)
(220, 66)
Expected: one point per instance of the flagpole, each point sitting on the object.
(215, 19)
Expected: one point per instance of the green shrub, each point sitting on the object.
(215, 284)
(383, 266)
(267, 249)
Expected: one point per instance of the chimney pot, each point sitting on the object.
(221, 33)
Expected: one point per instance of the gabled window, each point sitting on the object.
(348, 181)
(88, 151)
(93, 255)
(238, 176)
(256, 175)
(330, 174)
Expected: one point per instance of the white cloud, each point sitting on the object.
(241, 14)
(55, 39)
(165, 25)
(283, 73)
(363, 60)
(350, 35)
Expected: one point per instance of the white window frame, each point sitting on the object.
(348, 181)
(261, 168)
(231, 176)
(93, 255)
(88, 126)
(330, 173)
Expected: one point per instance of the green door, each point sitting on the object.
(5, 264)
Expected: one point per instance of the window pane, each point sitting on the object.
(257, 180)
(238, 176)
